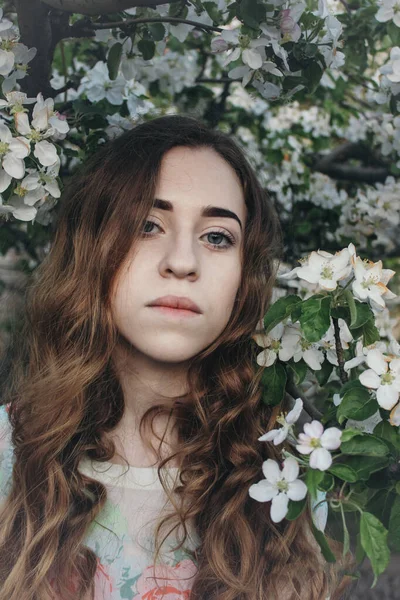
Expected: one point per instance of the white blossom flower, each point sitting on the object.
(324, 268)
(316, 442)
(382, 376)
(287, 422)
(392, 68)
(37, 185)
(280, 486)
(22, 56)
(17, 207)
(45, 118)
(12, 154)
(390, 11)
(370, 282)
(273, 347)
(15, 101)
(295, 345)
(97, 85)
(45, 124)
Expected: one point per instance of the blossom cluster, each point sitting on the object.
(341, 274)
(28, 187)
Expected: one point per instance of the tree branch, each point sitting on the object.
(125, 22)
(102, 7)
(307, 405)
(335, 166)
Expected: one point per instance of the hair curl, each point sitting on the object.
(64, 395)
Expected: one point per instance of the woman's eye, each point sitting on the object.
(230, 240)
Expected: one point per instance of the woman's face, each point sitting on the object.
(175, 256)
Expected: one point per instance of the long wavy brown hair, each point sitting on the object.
(63, 396)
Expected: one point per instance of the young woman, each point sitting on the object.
(170, 212)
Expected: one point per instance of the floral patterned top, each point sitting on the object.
(123, 535)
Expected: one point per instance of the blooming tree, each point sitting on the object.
(311, 91)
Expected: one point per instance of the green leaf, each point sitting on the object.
(327, 483)
(390, 434)
(344, 472)
(295, 509)
(349, 433)
(374, 541)
(360, 552)
(299, 370)
(114, 60)
(324, 373)
(212, 11)
(274, 380)
(313, 73)
(315, 317)
(394, 526)
(357, 404)
(280, 310)
(394, 33)
(147, 49)
(252, 13)
(359, 311)
(313, 478)
(369, 333)
(157, 31)
(365, 465)
(323, 544)
(380, 505)
(365, 444)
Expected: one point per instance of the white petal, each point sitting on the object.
(252, 58)
(271, 470)
(14, 166)
(279, 507)
(22, 123)
(295, 413)
(266, 358)
(20, 147)
(46, 153)
(314, 429)
(330, 439)
(370, 379)
(290, 469)
(395, 416)
(376, 361)
(281, 436)
(5, 180)
(5, 133)
(262, 491)
(387, 396)
(269, 436)
(313, 358)
(304, 448)
(52, 188)
(297, 490)
(320, 459)
(20, 210)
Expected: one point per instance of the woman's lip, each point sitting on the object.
(175, 312)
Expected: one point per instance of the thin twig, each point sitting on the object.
(339, 351)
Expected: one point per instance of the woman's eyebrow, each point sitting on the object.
(207, 211)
